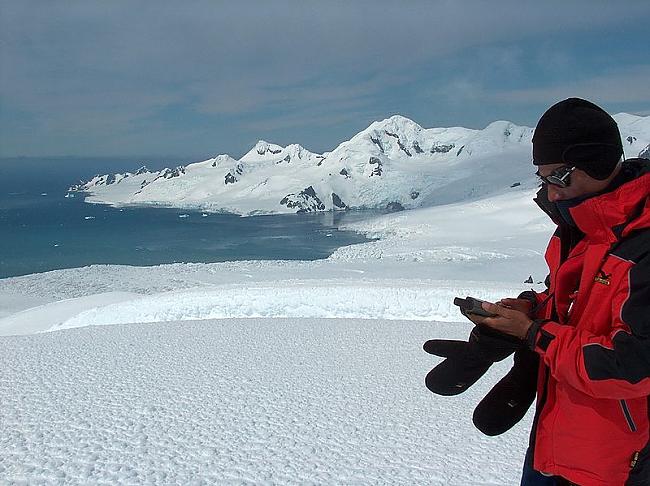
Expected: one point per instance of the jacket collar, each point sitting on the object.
(622, 208)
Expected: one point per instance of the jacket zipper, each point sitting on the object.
(628, 416)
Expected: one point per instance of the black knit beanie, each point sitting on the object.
(578, 133)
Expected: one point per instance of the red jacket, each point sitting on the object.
(592, 425)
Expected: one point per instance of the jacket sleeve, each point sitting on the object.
(616, 365)
(538, 299)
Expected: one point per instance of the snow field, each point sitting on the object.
(283, 396)
(252, 401)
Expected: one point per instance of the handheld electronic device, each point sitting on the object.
(471, 305)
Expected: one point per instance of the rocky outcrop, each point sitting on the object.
(306, 201)
(233, 176)
(441, 148)
(263, 148)
(377, 170)
(336, 201)
(170, 173)
(378, 143)
(395, 206)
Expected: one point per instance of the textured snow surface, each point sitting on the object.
(254, 401)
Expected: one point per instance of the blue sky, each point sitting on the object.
(198, 78)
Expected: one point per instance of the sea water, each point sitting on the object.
(41, 229)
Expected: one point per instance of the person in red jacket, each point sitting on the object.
(591, 327)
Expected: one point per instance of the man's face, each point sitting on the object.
(581, 184)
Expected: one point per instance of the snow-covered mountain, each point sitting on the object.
(394, 163)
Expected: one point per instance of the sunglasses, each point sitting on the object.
(560, 177)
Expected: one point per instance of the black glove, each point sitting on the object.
(511, 397)
(467, 361)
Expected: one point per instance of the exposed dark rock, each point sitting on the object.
(439, 148)
(645, 153)
(344, 173)
(529, 280)
(414, 194)
(403, 148)
(631, 140)
(336, 201)
(394, 206)
(516, 184)
(306, 201)
(110, 179)
(265, 148)
(170, 173)
(377, 170)
(390, 134)
(232, 176)
(141, 170)
(378, 143)
(417, 148)
(287, 159)
(79, 186)
(459, 151)
(214, 164)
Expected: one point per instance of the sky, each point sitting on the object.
(195, 79)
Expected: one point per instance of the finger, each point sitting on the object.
(496, 309)
(509, 302)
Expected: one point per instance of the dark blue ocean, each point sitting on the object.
(42, 230)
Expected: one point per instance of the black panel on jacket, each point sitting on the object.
(630, 358)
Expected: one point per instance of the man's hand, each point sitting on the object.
(522, 305)
(508, 320)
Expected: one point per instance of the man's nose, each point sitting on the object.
(553, 193)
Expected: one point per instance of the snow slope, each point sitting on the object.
(393, 163)
(255, 401)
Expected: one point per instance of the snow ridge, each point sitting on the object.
(394, 163)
